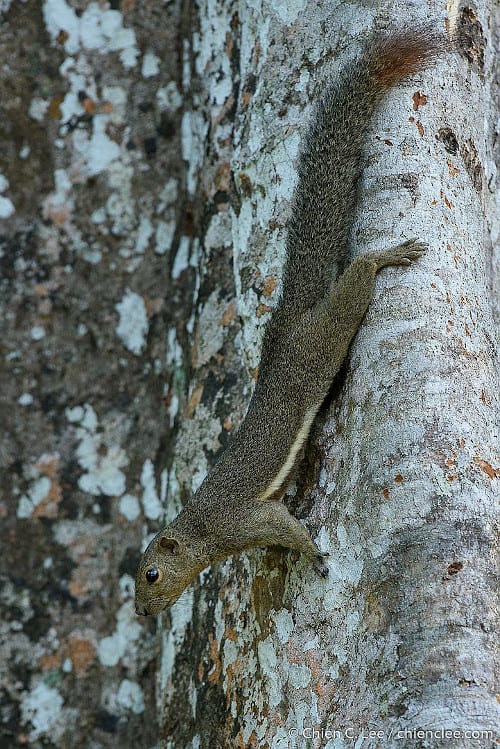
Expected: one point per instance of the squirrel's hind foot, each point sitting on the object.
(403, 254)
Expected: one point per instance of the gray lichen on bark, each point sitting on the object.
(400, 637)
(148, 161)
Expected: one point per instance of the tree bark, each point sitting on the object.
(147, 166)
(91, 198)
(399, 481)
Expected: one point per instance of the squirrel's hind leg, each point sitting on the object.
(349, 297)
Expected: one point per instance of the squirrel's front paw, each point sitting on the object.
(319, 565)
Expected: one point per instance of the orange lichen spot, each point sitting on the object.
(420, 129)
(419, 100)
(229, 314)
(48, 466)
(263, 309)
(59, 215)
(227, 424)
(485, 398)
(89, 105)
(77, 588)
(462, 442)
(62, 37)
(214, 674)
(467, 331)
(455, 567)
(448, 203)
(231, 634)
(222, 180)
(433, 286)
(245, 184)
(82, 653)
(49, 662)
(450, 462)
(250, 743)
(201, 672)
(48, 507)
(253, 743)
(398, 479)
(229, 43)
(385, 492)
(54, 110)
(452, 169)
(486, 467)
(153, 306)
(268, 286)
(223, 112)
(194, 401)
(114, 132)
(230, 679)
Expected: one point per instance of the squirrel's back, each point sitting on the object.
(329, 168)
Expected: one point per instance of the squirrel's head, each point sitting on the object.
(165, 570)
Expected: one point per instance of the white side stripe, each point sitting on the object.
(287, 466)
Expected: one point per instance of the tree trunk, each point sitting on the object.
(91, 198)
(398, 484)
(147, 165)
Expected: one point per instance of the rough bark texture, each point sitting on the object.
(148, 151)
(400, 639)
(92, 200)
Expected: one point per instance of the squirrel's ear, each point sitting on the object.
(168, 545)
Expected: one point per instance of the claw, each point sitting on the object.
(319, 565)
(404, 254)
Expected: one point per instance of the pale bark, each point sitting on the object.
(400, 638)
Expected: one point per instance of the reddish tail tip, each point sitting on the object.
(394, 57)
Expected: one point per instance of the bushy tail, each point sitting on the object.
(394, 57)
(329, 168)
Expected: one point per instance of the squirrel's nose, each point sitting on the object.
(140, 610)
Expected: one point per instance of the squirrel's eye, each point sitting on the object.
(152, 575)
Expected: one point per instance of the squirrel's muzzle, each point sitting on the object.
(141, 610)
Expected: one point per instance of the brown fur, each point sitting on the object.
(398, 56)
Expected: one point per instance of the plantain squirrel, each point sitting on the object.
(306, 340)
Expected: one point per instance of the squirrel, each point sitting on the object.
(238, 506)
